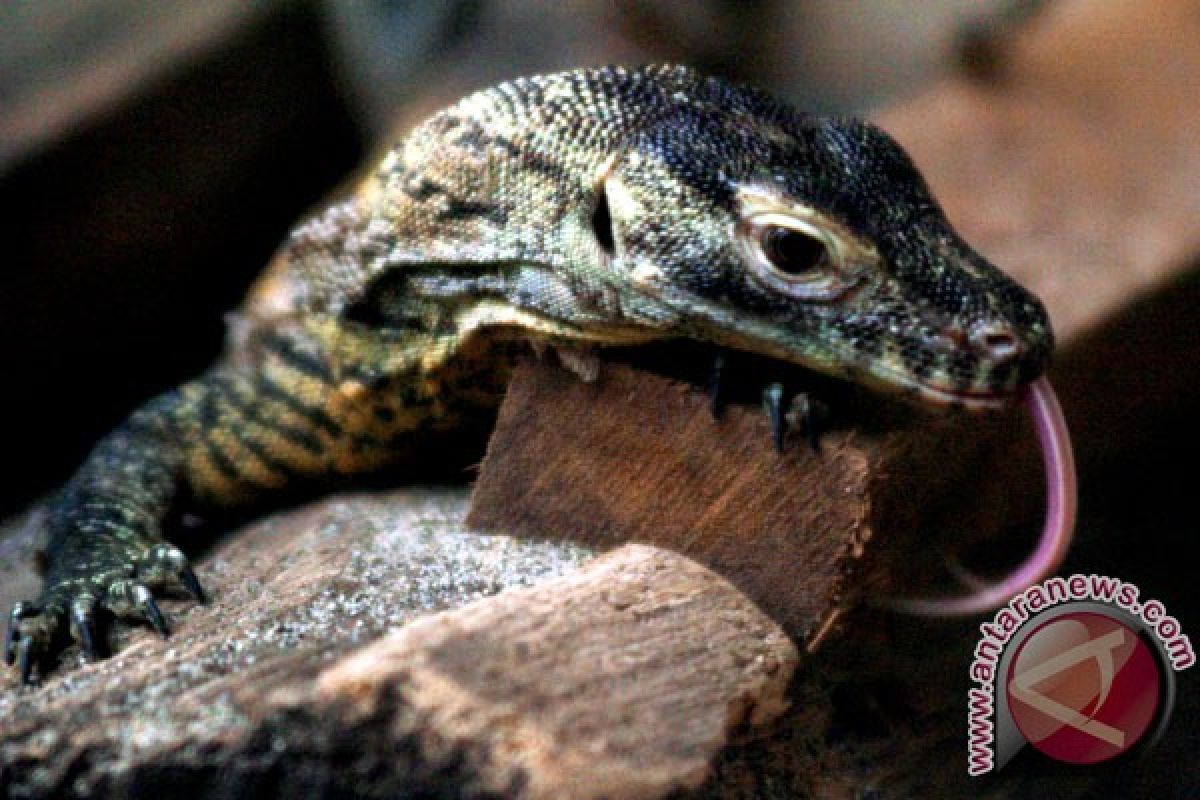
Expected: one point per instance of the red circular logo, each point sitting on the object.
(1083, 688)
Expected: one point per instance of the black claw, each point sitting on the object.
(87, 639)
(716, 393)
(773, 405)
(190, 582)
(85, 624)
(808, 422)
(12, 631)
(25, 660)
(152, 612)
(10, 636)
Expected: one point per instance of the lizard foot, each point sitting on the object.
(806, 414)
(786, 410)
(791, 411)
(70, 608)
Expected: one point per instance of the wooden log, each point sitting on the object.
(636, 456)
(623, 679)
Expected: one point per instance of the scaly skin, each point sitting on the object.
(586, 208)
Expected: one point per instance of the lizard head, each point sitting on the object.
(816, 241)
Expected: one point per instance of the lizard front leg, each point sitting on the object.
(241, 432)
(104, 545)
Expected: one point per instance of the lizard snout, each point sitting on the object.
(994, 343)
(981, 363)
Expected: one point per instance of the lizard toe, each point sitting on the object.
(132, 599)
(31, 637)
(190, 582)
(84, 627)
(25, 659)
(12, 630)
(164, 564)
(773, 399)
(806, 414)
(717, 395)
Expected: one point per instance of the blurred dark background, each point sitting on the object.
(152, 155)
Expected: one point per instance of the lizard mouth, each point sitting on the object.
(971, 399)
(985, 392)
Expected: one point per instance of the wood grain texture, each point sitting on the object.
(636, 456)
(623, 679)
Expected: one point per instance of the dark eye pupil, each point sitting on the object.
(793, 252)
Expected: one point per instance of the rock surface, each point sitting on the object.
(292, 593)
(623, 679)
(620, 679)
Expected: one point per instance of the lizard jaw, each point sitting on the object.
(890, 380)
(965, 398)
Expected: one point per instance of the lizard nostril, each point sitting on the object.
(999, 344)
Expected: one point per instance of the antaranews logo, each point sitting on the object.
(1078, 668)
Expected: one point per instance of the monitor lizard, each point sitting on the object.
(586, 208)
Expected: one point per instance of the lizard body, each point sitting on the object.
(594, 207)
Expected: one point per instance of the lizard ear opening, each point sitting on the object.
(602, 221)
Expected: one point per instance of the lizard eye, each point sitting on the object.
(793, 252)
(793, 256)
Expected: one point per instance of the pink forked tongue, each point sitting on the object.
(1059, 464)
